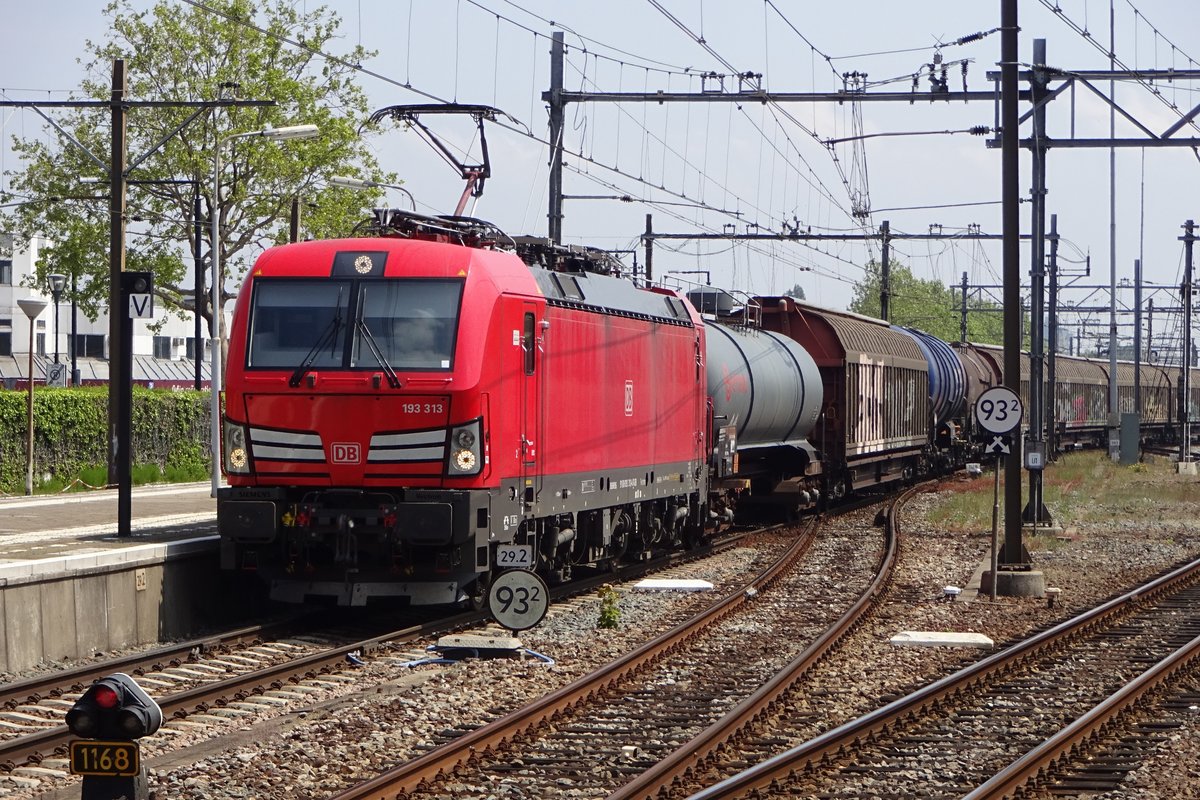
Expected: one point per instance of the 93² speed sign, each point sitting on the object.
(998, 410)
(518, 599)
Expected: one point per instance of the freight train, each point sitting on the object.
(410, 412)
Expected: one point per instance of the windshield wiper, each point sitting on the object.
(330, 336)
(373, 346)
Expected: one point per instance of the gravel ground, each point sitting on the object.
(386, 713)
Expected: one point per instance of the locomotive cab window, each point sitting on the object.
(335, 324)
(291, 317)
(412, 324)
(528, 343)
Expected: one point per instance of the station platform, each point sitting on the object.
(50, 527)
(71, 587)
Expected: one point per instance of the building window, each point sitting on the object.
(6, 271)
(91, 345)
(6, 342)
(41, 344)
(191, 348)
(162, 347)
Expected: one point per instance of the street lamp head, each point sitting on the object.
(32, 306)
(350, 183)
(291, 132)
(58, 282)
(358, 183)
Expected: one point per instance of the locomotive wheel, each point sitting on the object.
(477, 595)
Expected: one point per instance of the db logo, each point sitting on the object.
(345, 453)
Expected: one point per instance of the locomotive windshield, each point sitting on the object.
(344, 324)
(412, 322)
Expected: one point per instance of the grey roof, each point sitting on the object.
(145, 368)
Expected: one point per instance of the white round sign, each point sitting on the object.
(518, 599)
(999, 410)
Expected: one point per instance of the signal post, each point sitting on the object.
(110, 717)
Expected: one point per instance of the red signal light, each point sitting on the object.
(105, 697)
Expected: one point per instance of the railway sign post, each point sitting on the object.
(998, 410)
(518, 599)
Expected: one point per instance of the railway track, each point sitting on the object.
(617, 723)
(1028, 716)
(246, 670)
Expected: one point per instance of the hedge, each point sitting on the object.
(170, 431)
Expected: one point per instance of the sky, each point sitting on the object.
(701, 167)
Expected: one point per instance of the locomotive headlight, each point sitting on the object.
(237, 454)
(466, 454)
(464, 461)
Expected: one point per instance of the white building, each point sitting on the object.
(163, 358)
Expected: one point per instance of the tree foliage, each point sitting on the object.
(178, 52)
(928, 306)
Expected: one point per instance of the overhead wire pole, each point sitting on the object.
(557, 116)
(1114, 421)
(198, 236)
(1035, 447)
(120, 372)
(1011, 555)
(885, 273)
(1052, 350)
(1137, 335)
(1185, 411)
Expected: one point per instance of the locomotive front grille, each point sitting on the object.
(276, 445)
(407, 448)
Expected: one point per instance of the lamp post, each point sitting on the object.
(57, 283)
(274, 134)
(32, 307)
(74, 330)
(358, 183)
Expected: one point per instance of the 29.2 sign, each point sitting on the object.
(999, 410)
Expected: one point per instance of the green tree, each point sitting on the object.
(928, 306)
(797, 291)
(183, 53)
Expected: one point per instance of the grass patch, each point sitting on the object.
(1078, 487)
(96, 477)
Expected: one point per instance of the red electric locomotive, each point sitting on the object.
(407, 412)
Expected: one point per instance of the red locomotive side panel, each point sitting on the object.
(623, 393)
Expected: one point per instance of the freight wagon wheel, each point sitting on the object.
(837, 489)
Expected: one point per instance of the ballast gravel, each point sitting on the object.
(315, 741)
